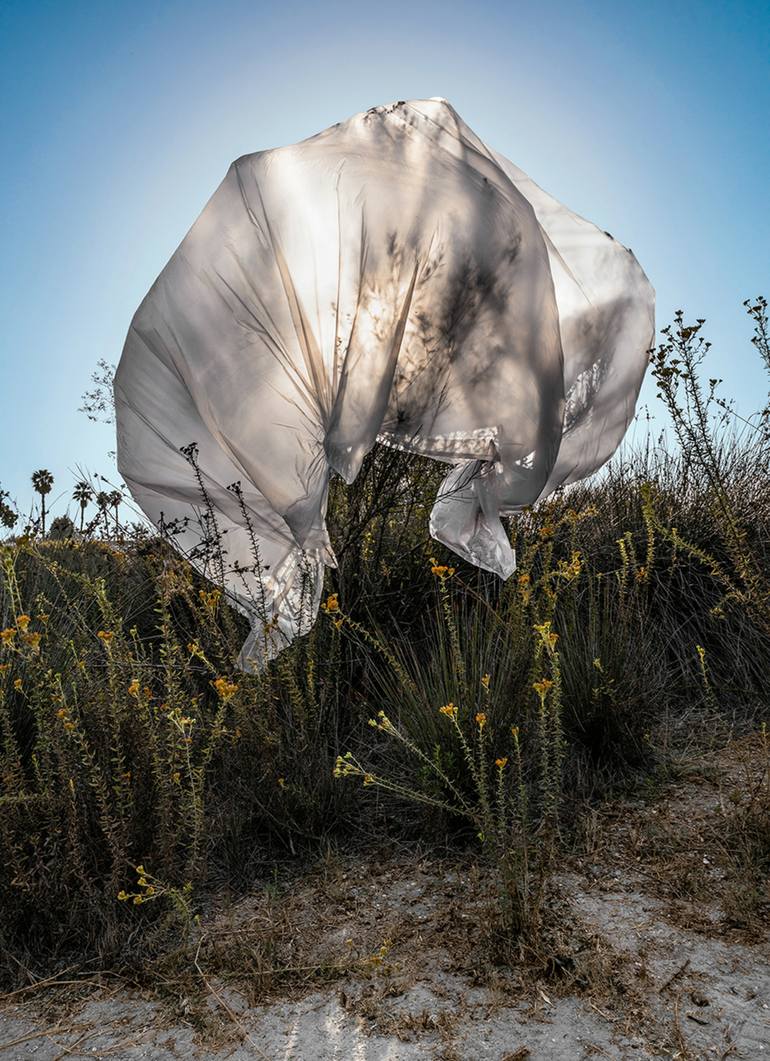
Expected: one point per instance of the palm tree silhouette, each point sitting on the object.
(103, 502)
(42, 481)
(115, 498)
(82, 493)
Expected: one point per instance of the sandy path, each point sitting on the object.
(381, 959)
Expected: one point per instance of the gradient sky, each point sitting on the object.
(118, 120)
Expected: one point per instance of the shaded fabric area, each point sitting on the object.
(390, 279)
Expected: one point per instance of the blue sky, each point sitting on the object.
(119, 120)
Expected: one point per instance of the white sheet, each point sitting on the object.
(391, 278)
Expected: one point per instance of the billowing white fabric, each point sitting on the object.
(390, 279)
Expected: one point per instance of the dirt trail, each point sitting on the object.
(381, 959)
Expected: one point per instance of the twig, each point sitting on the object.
(87, 1034)
(684, 1051)
(40, 983)
(674, 976)
(39, 1034)
(73, 1046)
(607, 1016)
(129, 1041)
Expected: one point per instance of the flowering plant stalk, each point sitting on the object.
(483, 776)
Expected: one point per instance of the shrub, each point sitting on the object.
(137, 761)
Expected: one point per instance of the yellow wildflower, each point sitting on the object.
(138, 900)
(133, 688)
(502, 762)
(23, 622)
(282, 782)
(343, 767)
(176, 777)
(449, 710)
(572, 568)
(547, 531)
(547, 635)
(17, 684)
(542, 687)
(368, 779)
(7, 635)
(105, 635)
(442, 571)
(33, 640)
(122, 895)
(225, 689)
(332, 603)
(43, 617)
(210, 600)
(515, 733)
(481, 719)
(485, 680)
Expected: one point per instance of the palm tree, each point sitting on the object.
(115, 498)
(82, 493)
(103, 503)
(42, 481)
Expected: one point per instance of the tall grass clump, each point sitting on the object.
(129, 739)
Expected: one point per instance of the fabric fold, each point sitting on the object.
(390, 279)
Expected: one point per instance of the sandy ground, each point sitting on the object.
(384, 957)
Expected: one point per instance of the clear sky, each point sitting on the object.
(118, 120)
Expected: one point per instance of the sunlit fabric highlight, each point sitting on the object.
(390, 279)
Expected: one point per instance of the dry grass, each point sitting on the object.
(700, 842)
(374, 928)
(592, 719)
